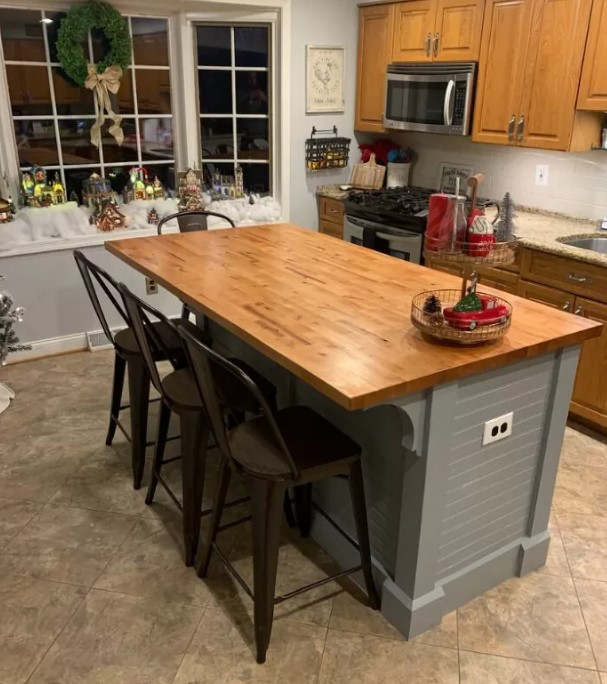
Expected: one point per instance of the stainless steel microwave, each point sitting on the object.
(431, 97)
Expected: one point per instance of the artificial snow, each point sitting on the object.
(65, 221)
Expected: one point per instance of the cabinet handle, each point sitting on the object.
(511, 124)
(436, 38)
(330, 210)
(579, 311)
(521, 128)
(566, 306)
(579, 279)
(427, 44)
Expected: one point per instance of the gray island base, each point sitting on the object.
(449, 518)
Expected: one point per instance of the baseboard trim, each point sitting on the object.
(50, 347)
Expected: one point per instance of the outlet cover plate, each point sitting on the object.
(541, 174)
(498, 428)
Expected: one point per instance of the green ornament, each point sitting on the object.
(74, 28)
(468, 304)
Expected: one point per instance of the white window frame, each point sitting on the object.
(186, 122)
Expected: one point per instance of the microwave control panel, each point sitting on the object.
(459, 104)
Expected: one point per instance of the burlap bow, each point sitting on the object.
(102, 85)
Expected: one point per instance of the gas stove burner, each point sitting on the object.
(401, 201)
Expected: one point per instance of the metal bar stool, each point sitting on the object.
(292, 447)
(127, 358)
(179, 394)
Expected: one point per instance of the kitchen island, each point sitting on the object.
(328, 323)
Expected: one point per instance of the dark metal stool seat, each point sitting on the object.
(179, 394)
(278, 450)
(126, 342)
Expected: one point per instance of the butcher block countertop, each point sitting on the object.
(334, 314)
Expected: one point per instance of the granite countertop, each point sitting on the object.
(536, 229)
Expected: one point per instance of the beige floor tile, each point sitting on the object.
(581, 488)
(13, 516)
(223, 652)
(536, 617)
(593, 599)
(351, 613)
(66, 544)
(556, 563)
(603, 677)
(103, 483)
(585, 541)
(476, 668)
(115, 638)
(584, 449)
(369, 659)
(150, 563)
(32, 613)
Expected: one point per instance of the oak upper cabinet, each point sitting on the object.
(530, 64)
(458, 27)
(437, 30)
(414, 31)
(554, 62)
(503, 53)
(375, 32)
(593, 85)
(589, 399)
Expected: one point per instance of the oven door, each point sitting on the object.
(396, 242)
(429, 102)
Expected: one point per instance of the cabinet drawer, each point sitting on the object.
(331, 210)
(330, 228)
(545, 295)
(565, 274)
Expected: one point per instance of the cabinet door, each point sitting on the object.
(545, 295)
(375, 32)
(414, 31)
(593, 86)
(590, 390)
(458, 30)
(506, 29)
(552, 75)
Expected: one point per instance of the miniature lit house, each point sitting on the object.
(190, 190)
(95, 191)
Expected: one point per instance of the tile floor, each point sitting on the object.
(93, 588)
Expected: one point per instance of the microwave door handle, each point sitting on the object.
(447, 108)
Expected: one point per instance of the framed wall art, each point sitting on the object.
(325, 79)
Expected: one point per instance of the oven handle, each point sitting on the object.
(447, 115)
(405, 236)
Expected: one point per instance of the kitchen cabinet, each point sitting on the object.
(375, 33)
(545, 295)
(437, 30)
(593, 84)
(331, 217)
(529, 71)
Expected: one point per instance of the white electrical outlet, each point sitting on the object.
(541, 174)
(497, 429)
(151, 286)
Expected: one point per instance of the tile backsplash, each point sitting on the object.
(577, 182)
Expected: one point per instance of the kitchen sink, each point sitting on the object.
(595, 244)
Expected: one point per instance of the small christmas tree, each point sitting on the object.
(504, 230)
(9, 342)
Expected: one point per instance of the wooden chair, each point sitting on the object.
(127, 358)
(179, 394)
(273, 452)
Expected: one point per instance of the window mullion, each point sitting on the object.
(92, 61)
(233, 79)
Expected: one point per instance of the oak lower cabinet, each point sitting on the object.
(330, 217)
(545, 295)
(375, 35)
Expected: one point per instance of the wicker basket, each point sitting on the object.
(436, 325)
(471, 252)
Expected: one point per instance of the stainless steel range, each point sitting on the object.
(392, 220)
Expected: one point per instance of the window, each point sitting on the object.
(235, 102)
(52, 117)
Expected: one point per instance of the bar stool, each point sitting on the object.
(127, 357)
(292, 447)
(179, 394)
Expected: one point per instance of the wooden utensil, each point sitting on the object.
(474, 182)
(369, 176)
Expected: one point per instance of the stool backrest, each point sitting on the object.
(91, 274)
(191, 221)
(208, 368)
(152, 345)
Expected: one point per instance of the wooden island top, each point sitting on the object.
(334, 314)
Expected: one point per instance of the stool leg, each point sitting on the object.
(266, 504)
(194, 437)
(357, 492)
(117, 386)
(221, 491)
(288, 510)
(161, 439)
(139, 393)
(303, 508)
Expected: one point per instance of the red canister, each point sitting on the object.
(437, 234)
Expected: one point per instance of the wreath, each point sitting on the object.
(73, 31)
